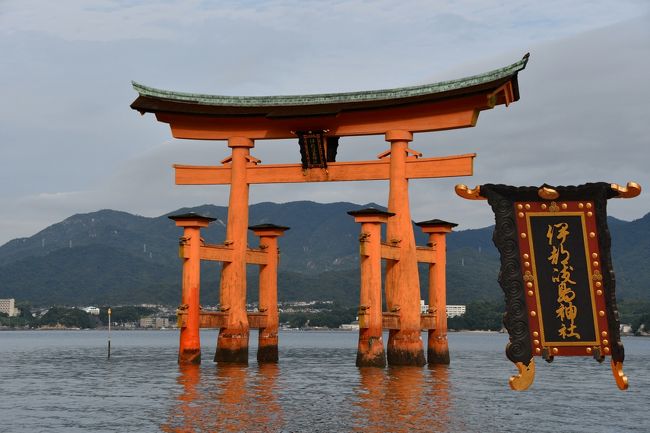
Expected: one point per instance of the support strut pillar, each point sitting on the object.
(438, 348)
(189, 351)
(267, 349)
(370, 351)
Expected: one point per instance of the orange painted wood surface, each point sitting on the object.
(405, 345)
(390, 252)
(425, 117)
(256, 257)
(425, 254)
(190, 339)
(232, 343)
(422, 168)
(267, 347)
(217, 319)
(370, 351)
(438, 347)
(222, 253)
(392, 321)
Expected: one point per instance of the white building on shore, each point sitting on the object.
(456, 310)
(8, 306)
(91, 310)
(154, 322)
(452, 310)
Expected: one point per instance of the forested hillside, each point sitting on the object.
(118, 258)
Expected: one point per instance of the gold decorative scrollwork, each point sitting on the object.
(632, 190)
(528, 276)
(470, 194)
(525, 378)
(548, 193)
(619, 376)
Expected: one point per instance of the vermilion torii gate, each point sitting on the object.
(319, 121)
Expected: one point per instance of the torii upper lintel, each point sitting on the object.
(430, 107)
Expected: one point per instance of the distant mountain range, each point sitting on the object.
(112, 257)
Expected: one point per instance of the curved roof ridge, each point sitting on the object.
(333, 98)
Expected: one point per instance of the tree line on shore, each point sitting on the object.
(73, 317)
(480, 315)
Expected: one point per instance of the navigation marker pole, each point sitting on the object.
(109, 332)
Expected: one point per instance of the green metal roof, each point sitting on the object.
(148, 95)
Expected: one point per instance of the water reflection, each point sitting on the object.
(403, 399)
(185, 415)
(438, 391)
(230, 398)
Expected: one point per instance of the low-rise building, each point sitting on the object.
(154, 322)
(8, 306)
(91, 310)
(456, 310)
(452, 310)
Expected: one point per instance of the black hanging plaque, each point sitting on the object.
(313, 149)
(556, 272)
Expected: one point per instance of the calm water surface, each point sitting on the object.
(61, 381)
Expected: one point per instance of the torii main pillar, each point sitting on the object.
(232, 343)
(402, 280)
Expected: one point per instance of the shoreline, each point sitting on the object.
(62, 329)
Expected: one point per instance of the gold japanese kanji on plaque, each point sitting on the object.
(556, 273)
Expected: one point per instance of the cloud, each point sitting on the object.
(65, 124)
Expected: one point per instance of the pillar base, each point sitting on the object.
(438, 350)
(371, 359)
(267, 346)
(405, 348)
(232, 347)
(189, 356)
(267, 349)
(267, 354)
(437, 356)
(370, 352)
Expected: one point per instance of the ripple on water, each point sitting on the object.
(62, 382)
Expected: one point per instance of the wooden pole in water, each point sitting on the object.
(109, 332)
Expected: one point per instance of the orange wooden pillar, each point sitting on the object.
(267, 350)
(402, 282)
(370, 352)
(232, 343)
(438, 348)
(189, 351)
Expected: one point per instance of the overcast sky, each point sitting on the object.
(69, 143)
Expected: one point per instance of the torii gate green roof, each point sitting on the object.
(156, 100)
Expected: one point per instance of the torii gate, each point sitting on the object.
(319, 121)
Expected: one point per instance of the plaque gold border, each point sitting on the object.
(587, 252)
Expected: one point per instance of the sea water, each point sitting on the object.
(62, 381)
